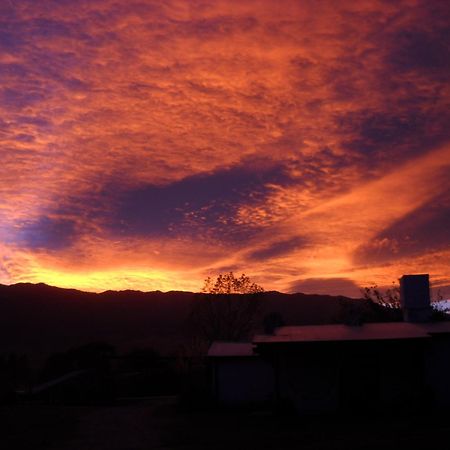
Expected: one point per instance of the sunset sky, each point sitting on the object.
(149, 144)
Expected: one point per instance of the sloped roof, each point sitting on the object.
(366, 332)
(231, 349)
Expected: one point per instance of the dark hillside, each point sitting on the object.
(44, 319)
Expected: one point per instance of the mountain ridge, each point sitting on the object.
(157, 291)
(44, 319)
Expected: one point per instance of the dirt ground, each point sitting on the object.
(159, 424)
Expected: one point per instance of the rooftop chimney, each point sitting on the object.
(415, 298)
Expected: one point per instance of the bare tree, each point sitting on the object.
(389, 298)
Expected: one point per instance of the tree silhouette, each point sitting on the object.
(229, 284)
(227, 310)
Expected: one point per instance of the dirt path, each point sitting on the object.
(160, 423)
(133, 427)
(125, 426)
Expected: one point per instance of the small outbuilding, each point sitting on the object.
(239, 376)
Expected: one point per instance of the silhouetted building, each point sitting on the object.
(239, 376)
(368, 367)
(415, 298)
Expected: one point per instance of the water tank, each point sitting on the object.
(415, 297)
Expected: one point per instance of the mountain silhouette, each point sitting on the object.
(37, 318)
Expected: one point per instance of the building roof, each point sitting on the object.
(366, 332)
(231, 349)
